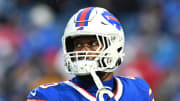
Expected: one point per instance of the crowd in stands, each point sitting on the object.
(31, 50)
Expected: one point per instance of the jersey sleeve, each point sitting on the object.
(145, 88)
(46, 92)
(36, 95)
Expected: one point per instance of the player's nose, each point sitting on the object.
(85, 47)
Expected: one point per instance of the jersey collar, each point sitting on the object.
(91, 97)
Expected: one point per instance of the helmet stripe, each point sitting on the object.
(78, 17)
(88, 14)
(113, 18)
(83, 16)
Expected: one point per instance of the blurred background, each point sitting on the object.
(31, 50)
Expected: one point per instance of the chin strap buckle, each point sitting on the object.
(101, 89)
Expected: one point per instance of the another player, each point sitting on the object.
(93, 45)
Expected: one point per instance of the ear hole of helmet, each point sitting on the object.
(119, 49)
(118, 62)
(119, 59)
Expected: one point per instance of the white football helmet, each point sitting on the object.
(98, 22)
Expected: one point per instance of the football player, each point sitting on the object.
(93, 45)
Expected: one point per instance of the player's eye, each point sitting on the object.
(93, 43)
(78, 45)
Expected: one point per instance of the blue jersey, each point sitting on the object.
(124, 89)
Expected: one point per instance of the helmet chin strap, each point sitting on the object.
(101, 89)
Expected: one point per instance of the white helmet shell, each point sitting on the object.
(94, 21)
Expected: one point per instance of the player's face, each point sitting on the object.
(86, 43)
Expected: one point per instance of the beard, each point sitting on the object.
(88, 79)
